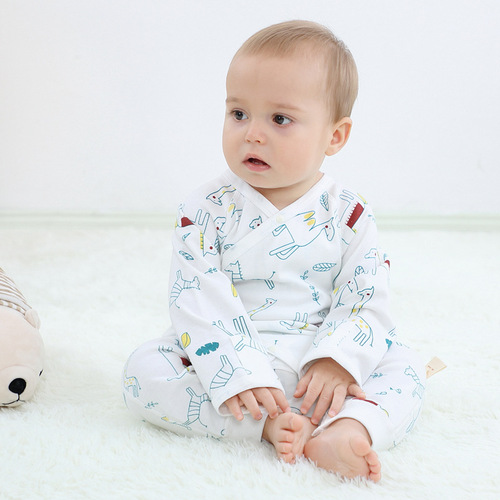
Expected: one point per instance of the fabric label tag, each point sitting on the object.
(433, 366)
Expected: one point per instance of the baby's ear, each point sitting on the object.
(340, 133)
(32, 318)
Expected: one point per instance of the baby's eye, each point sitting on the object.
(239, 115)
(281, 120)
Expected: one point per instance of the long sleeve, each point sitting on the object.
(356, 330)
(207, 314)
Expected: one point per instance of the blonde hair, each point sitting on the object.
(292, 37)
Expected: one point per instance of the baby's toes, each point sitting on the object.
(286, 436)
(373, 461)
(284, 448)
(374, 466)
(375, 477)
(287, 456)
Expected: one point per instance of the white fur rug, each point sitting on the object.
(101, 291)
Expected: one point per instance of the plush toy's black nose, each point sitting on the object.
(17, 386)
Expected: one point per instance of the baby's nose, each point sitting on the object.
(255, 134)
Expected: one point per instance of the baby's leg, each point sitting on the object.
(394, 393)
(161, 387)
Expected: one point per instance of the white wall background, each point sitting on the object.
(117, 105)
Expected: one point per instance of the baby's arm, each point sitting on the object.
(209, 317)
(358, 329)
(328, 383)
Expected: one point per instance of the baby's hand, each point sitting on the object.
(328, 383)
(269, 397)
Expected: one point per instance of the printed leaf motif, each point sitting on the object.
(185, 339)
(324, 201)
(323, 267)
(186, 255)
(207, 348)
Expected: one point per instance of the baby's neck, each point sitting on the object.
(285, 196)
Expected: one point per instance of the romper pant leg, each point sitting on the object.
(160, 387)
(394, 396)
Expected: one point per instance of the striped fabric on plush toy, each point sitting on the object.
(10, 296)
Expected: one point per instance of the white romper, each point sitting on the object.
(257, 295)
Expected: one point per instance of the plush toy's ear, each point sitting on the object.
(32, 318)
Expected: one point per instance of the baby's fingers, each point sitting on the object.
(339, 395)
(234, 407)
(302, 386)
(356, 391)
(249, 400)
(280, 400)
(324, 401)
(267, 400)
(312, 393)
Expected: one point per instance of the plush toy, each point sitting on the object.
(21, 345)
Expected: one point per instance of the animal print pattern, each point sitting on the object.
(250, 284)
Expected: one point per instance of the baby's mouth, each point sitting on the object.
(256, 161)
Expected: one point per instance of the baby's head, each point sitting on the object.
(313, 40)
(290, 91)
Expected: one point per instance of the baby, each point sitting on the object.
(279, 294)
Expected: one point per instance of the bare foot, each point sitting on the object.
(288, 433)
(345, 448)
